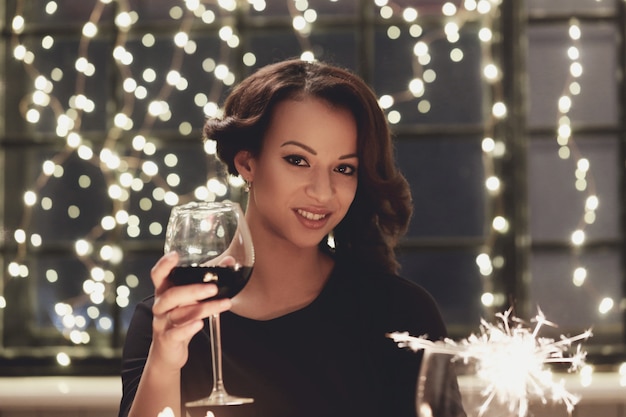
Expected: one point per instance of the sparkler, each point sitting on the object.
(512, 360)
(167, 412)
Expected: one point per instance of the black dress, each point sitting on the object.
(331, 358)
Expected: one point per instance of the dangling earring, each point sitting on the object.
(247, 185)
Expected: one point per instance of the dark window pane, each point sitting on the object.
(569, 6)
(453, 280)
(447, 182)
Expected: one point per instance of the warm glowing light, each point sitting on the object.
(491, 72)
(82, 247)
(17, 24)
(485, 34)
(580, 274)
(492, 183)
(592, 203)
(420, 48)
(416, 86)
(409, 14)
(123, 20)
(485, 264)
(512, 360)
(385, 101)
(500, 224)
(487, 299)
(488, 145)
(499, 110)
(448, 9)
(90, 30)
(576, 69)
(578, 237)
(606, 305)
(574, 31)
(63, 359)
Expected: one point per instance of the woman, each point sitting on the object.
(307, 336)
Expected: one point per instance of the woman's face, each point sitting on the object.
(305, 177)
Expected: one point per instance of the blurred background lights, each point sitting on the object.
(606, 305)
(63, 359)
(499, 110)
(580, 274)
(493, 184)
(622, 374)
(578, 237)
(487, 299)
(144, 168)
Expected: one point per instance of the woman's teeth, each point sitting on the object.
(311, 216)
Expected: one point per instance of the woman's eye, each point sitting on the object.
(346, 169)
(296, 160)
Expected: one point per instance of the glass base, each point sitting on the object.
(219, 398)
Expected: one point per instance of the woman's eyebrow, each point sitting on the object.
(302, 145)
(312, 151)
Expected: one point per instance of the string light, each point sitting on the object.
(485, 13)
(131, 173)
(584, 181)
(150, 89)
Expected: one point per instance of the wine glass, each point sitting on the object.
(438, 392)
(454, 386)
(213, 243)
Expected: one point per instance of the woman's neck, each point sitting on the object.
(285, 278)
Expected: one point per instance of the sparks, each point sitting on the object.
(512, 360)
(167, 412)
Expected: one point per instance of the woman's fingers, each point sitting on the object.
(182, 295)
(183, 315)
(227, 260)
(179, 312)
(161, 270)
(174, 327)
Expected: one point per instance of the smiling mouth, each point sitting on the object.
(311, 216)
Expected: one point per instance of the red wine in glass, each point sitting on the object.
(229, 280)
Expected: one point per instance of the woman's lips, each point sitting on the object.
(311, 219)
(310, 215)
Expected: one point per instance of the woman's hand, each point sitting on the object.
(178, 314)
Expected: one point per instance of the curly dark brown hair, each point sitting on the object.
(382, 208)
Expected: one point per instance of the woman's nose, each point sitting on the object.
(321, 186)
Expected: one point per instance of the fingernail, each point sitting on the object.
(210, 289)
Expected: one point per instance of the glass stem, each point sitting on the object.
(216, 353)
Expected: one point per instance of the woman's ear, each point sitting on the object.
(244, 162)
